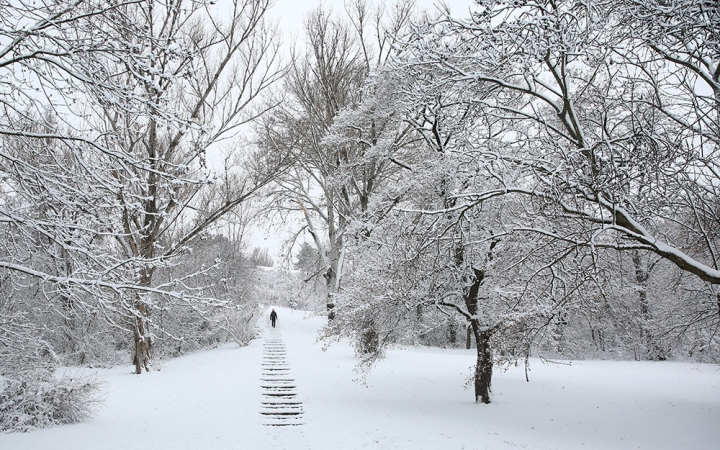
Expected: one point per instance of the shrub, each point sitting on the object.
(41, 400)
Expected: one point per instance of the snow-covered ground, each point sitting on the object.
(413, 400)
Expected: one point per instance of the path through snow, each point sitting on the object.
(280, 405)
(413, 400)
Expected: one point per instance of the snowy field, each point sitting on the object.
(413, 400)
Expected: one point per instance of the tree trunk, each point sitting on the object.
(141, 330)
(330, 281)
(452, 334)
(369, 341)
(484, 363)
(334, 272)
(483, 366)
(143, 340)
(653, 348)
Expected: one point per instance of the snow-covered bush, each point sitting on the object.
(38, 400)
(224, 274)
(291, 289)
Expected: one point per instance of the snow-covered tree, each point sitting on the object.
(571, 133)
(228, 64)
(261, 257)
(308, 261)
(332, 179)
(589, 115)
(109, 109)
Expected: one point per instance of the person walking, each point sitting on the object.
(273, 318)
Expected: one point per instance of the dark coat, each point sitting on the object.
(273, 315)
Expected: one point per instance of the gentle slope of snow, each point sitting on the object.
(413, 400)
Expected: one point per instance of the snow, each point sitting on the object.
(413, 400)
